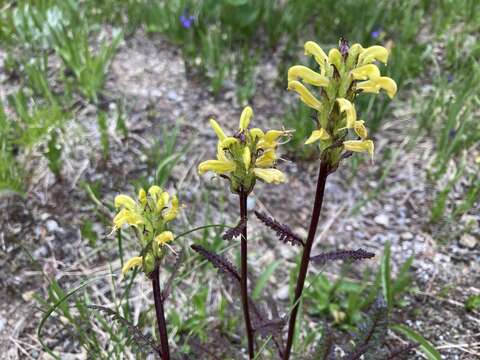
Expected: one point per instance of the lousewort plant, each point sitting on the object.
(344, 73)
(247, 156)
(150, 216)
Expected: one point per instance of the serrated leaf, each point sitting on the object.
(427, 348)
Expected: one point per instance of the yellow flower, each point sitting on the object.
(273, 176)
(321, 134)
(369, 71)
(269, 140)
(307, 75)
(360, 146)
(312, 48)
(173, 211)
(130, 264)
(347, 107)
(267, 159)
(125, 201)
(374, 86)
(373, 53)
(247, 158)
(142, 197)
(164, 238)
(305, 95)
(129, 217)
(218, 166)
(335, 58)
(247, 114)
(218, 130)
(360, 129)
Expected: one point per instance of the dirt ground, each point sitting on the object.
(149, 74)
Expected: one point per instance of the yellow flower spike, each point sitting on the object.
(173, 211)
(225, 143)
(373, 53)
(375, 85)
(335, 58)
(142, 196)
(125, 201)
(321, 134)
(270, 139)
(272, 176)
(247, 114)
(349, 108)
(247, 158)
(164, 238)
(312, 48)
(162, 201)
(307, 75)
(364, 72)
(256, 133)
(305, 95)
(267, 159)
(360, 129)
(130, 264)
(360, 146)
(218, 130)
(218, 166)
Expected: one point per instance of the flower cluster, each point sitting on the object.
(344, 73)
(248, 155)
(149, 215)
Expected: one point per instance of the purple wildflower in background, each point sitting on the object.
(376, 33)
(186, 20)
(450, 78)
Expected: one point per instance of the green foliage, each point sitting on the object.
(103, 128)
(426, 347)
(473, 303)
(345, 300)
(54, 155)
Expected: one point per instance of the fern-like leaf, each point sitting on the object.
(220, 262)
(236, 231)
(284, 233)
(345, 255)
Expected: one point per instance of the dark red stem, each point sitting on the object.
(317, 208)
(162, 325)
(243, 275)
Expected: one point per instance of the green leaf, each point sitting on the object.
(263, 279)
(427, 348)
(473, 303)
(386, 277)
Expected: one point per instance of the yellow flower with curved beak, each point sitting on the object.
(245, 118)
(273, 176)
(349, 109)
(360, 146)
(305, 95)
(376, 84)
(373, 53)
(131, 263)
(369, 71)
(307, 75)
(312, 48)
(321, 134)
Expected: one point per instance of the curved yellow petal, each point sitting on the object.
(225, 143)
(173, 211)
(155, 191)
(272, 176)
(142, 196)
(373, 53)
(267, 159)
(162, 201)
(355, 49)
(389, 85)
(125, 201)
(218, 166)
(307, 75)
(247, 114)
(360, 146)
(127, 217)
(312, 48)
(360, 129)
(335, 58)
(256, 133)
(349, 108)
(305, 95)
(321, 134)
(163, 238)
(131, 263)
(247, 158)
(368, 86)
(270, 139)
(364, 72)
(218, 130)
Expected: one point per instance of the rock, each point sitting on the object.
(300, 231)
(406, 236)
(51, 225)
(282, 293)
(382, 219)
(3, 322)
(468, 241)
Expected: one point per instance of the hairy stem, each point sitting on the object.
(162, 325)
(243, 275)
(317, 208)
